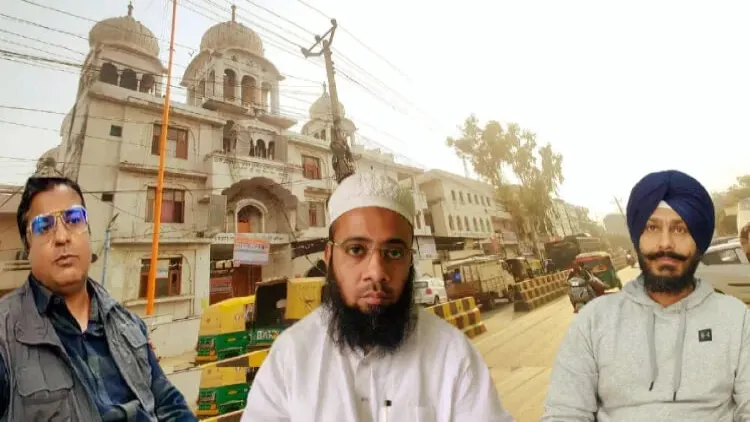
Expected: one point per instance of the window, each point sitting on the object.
(115, 130)
(315, 214)
(722, 257)
(310, 167)
(453, 195)
(168, 277)
(172, 205)
(108, 197)
(177, 142)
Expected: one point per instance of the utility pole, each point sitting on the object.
(151, 287)
(106, 249)
(343, 163)
(619, 207)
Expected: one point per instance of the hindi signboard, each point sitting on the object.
(249, 250)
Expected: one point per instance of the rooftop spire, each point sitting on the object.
(325, 88)
(130, 8)
(234, 12)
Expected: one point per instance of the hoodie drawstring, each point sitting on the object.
(678, 349)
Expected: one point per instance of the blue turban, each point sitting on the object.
(681, 192)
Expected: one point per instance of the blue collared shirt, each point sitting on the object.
(95, 367)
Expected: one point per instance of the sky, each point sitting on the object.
(620, 89)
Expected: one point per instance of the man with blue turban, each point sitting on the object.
(667, 347)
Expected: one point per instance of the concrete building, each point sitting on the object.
(234, 171)
(464, 217)
(14, 267)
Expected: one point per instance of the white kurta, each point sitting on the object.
(437, 376)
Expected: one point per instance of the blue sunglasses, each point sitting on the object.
(74, 218)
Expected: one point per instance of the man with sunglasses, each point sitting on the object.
(368, 353)
(68, 350)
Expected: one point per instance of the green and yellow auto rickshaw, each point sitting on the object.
(224, 329)
(279, 303)
(600, 265)
(224, 385)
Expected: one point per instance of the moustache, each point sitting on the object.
(666, 254)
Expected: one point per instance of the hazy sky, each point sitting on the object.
(619, 89)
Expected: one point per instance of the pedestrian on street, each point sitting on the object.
(369, 354)
(668, 347)
(68, 350)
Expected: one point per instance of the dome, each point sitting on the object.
(232, 34)
(125, 31)
(321, 108)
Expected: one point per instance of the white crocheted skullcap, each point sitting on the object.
(371, 189)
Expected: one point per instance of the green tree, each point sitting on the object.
(492, 149)
(727, 200)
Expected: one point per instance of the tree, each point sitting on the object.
(493, 149)
(727, 200)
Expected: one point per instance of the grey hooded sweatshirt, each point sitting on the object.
(625, 358)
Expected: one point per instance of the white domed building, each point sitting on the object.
(234, 172)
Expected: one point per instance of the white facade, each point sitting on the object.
(457, 207)
(232, 165)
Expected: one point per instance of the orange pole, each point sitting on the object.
(151, 287)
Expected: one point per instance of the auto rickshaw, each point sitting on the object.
(520, 268)
(600, 265)
(224, 385)
(224, 328)
(279, 303)
(537, 268)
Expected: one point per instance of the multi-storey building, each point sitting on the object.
(234, 169)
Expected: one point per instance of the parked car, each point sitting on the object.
(429, 291)
(727, 268)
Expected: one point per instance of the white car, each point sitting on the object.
(727, 268)
(429, 291)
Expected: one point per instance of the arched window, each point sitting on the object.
(260, 148)
(129, 79)
(249, 220)
(271, 150)
(108, 74)
(248, 90)
(230, 80)
(147, 83)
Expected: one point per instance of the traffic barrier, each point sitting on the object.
(462, 314)
(533, 293)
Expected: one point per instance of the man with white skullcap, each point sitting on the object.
(668, 347)
(368, 354)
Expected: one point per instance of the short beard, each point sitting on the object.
(668, 284)
(384, 330)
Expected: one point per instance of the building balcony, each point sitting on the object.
(262, 112)
(13, 274)
(271, 238)
(227, 169)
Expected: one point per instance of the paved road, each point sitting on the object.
(521, 376)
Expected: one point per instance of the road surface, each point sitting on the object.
(521, 376)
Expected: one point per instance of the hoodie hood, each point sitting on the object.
(635, 292)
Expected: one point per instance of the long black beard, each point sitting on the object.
(668, 284)
(384, 330)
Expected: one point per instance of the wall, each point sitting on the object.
(124, 275)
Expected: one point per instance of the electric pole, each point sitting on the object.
(619, 207)
(343, 164)
(107, 245)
